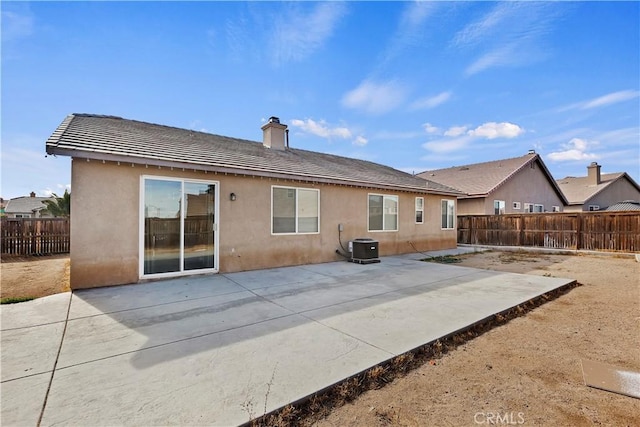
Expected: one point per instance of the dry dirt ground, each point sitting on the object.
(527, 371)
(34, 276)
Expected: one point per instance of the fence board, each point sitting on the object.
(34, 236)
(596, 231)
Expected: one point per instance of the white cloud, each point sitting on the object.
(455, 131)
(410, 28)
(603, 101)
(429, 128)
(575, 149)
(321, 129)
(360, 141)
(375, 98)
(492, 130)
(297, 34)
(431, 102)
(16, 24)
(446, 145)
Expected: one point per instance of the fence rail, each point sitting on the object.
(596, 231)
(34, 236)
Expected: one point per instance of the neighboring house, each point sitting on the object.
(27, 207)
(627, 205)
(509, 186)
(249, 205)
(598, 191)
(3, 204)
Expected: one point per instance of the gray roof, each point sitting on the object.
(627, 205)
(116, 139)
(25, 204)
(579, 189)
(480, 179)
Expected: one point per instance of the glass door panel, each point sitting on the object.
(162, 215)
(199, 248)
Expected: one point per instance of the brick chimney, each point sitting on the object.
(32, 194)
(275, 134)
(593, 173)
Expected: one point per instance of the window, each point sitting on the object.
(23, 215)
(555, 209)
(528, 207)
(383, 212)
(516, 206)
(419, 210)
(594, 207)
(448, 214)
(178, 226)
(498, 207)
(295, 210)
(538, 208)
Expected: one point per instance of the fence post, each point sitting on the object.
(579, 217)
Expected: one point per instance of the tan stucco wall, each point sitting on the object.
(105, 223)
(528, 186)
(615, 192)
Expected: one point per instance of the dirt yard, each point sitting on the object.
(34, 277)
(528, 371)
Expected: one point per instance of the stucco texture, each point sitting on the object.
(105, 224)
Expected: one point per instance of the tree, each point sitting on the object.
(59, 206)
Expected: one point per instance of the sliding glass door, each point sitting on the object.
(179, 226)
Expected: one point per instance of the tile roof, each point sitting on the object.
(627, 205)
(117, 139)
(25, 204)
(480, 179)
(579, 189)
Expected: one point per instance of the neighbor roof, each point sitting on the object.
(480, 179)
(116, 139)
(25, 204)
(627, 205)
(579, 189)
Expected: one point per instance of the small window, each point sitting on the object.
(419, 210)
(555, 208)
(594, 207)
(528, 207)
(295, 210)
(516, 206)
(23, 215)
(538, 208)
(498, 207)
(383, 212)
(448, 214)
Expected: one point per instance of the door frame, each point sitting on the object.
(216, 229)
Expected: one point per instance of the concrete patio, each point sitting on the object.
(219, 349)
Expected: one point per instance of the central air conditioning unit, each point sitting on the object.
(364, 251)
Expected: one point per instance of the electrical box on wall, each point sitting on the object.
(364, 251)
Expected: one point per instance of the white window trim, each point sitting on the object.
(296, 233)
(419, 210)
(455, 219)
(593, 208)
(516, 206)
(528, 207)
(555, 208)
(502, 205)
(536, 205)
(397, 213)
(216, 236)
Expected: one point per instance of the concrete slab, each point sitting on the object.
(219, 349)
(40, 311)
(22, 400)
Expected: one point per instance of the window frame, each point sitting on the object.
(296, 218)
(502, 207)
(594, 208)
(516, 206)
(536, 206)
(528, 207)
(421, 210)
(397, 213)
(555, 208)
(450, 202)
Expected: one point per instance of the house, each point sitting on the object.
(597, 191)
(627, 205)
(3, 204)
(517, 185)
(191, 202)
(27, 207)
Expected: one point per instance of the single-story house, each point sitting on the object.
(152, 201)
(597, 191)
(27, 207)
(509, 186)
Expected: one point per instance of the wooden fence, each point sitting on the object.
(34, 236)
(596, 231)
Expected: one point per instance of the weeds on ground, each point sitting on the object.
(443, 259)
(15, 300)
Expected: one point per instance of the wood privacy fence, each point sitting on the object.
(34, 236)
(596, 231)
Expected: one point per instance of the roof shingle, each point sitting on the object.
(118, 139)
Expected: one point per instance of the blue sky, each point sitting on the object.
(413, 85)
